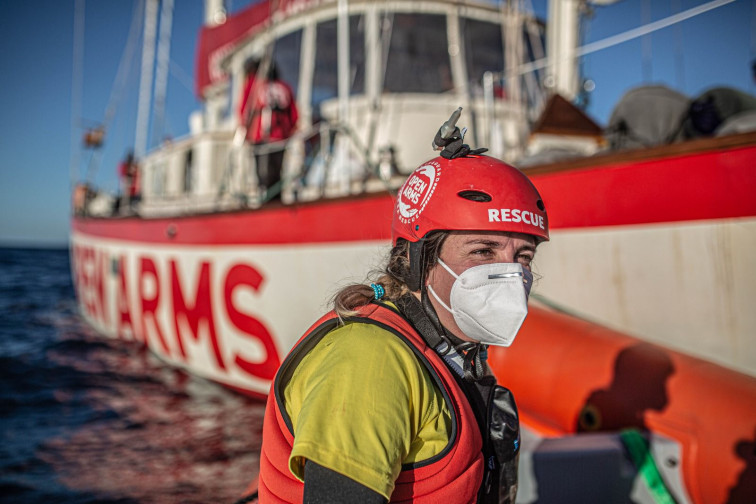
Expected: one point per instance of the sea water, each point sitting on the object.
(86, 419)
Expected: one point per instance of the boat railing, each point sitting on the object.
(325, 160)
(522, 111)
(217, 172)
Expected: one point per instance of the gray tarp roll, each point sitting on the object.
(647, 116)
(712, 110)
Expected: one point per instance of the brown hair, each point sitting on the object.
(393, 278)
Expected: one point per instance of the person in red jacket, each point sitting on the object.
(388, 397)
(128, 172)
(268, 111)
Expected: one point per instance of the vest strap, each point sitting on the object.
(414, 313)
(493, 405)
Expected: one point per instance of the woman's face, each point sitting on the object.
(464, 249)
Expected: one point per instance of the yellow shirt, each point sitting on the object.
(362, 404)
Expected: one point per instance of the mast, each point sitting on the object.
(215, 12)
(561, 43)
(161, 76)
(145, 84)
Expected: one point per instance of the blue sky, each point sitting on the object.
(36, 61)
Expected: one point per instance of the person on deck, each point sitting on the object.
(388, 396)
(128, 172)
(268, 111)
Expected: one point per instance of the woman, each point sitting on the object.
(387, 397)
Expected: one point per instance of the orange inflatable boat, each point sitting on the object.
(576, 382)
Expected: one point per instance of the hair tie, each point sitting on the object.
(379, 290)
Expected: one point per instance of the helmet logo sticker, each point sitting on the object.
(416, 192)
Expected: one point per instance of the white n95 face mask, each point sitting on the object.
(489, 302)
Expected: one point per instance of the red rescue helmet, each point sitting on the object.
(471, 193)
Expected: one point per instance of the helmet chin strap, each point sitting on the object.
(433, 316)
(470, 351)
(472, 364)
(416, 260)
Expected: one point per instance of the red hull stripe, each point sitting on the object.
(352, 220)
(713, 185)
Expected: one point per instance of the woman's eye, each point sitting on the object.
(524, 259)
(483, 252)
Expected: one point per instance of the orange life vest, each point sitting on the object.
(454, 475)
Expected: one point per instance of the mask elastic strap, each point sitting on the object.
(527, 281)
(430, 312)
(472, 366)
(447, 268)
(433, 293)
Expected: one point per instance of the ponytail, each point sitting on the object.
(393, 278)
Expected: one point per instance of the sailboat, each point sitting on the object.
(648, 269)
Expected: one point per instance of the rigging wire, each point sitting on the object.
(124, 66)
(584, 84)
(182, 76)
(537, 51)
(753, 47)
(119, 85)
(647, 68)
(679, 55)
(623, 37)
(76, 86)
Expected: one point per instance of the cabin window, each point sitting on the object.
(158, 179)
(418, 57)
(484, 49)
(233, 83)
(535, 43)
(188, 172)
(325, 80)
(286, 54)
